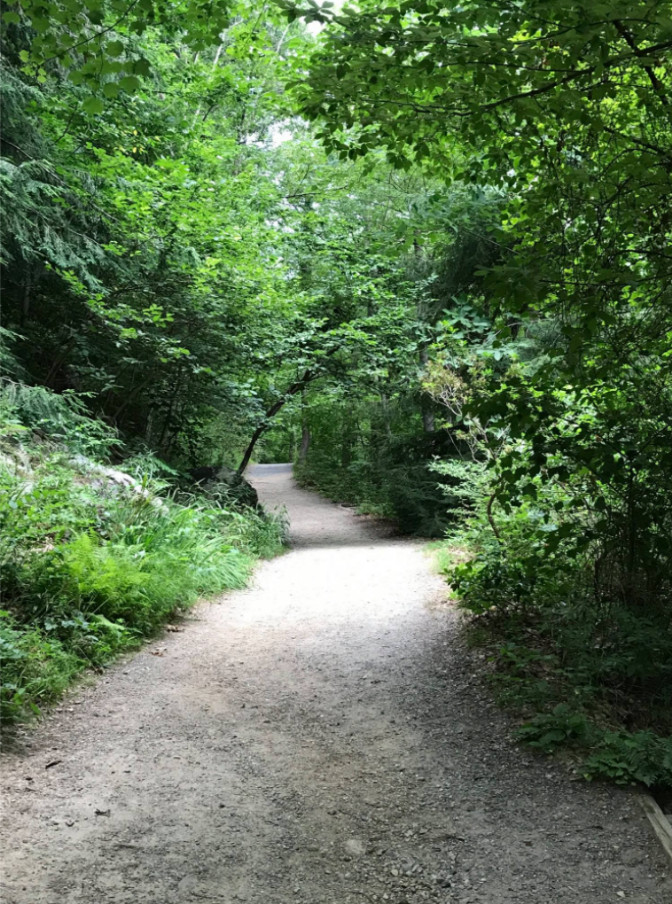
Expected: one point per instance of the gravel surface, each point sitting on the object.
(321, 738)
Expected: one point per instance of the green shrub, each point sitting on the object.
(93, 561)
(620, 756)
(385, 469)
(625, 757)
(589, 671)
(549, 731)
(36, 669)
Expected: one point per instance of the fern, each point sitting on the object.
(63, 418)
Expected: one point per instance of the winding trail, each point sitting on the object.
(321, 738)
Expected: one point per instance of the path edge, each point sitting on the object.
(659, 821)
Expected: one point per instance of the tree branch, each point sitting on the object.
(632, 44)
(93, 37)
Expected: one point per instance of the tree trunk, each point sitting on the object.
(385, 411)
(256, 436)
(425, 402)
(300, 385)
(305, 443)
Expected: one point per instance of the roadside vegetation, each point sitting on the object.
(239, 230)
(547, 317)
(94, 559)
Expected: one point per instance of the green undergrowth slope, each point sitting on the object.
(93, 558)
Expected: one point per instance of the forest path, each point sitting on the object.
(320, 738)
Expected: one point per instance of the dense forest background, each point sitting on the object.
(422, 252)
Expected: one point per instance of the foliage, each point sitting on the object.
(622, 757)
(447, 299)
(563, 390)
(375, 455)
(35, 668)
(576, 660)
(92, 559)
(378, 440)
(139, 241)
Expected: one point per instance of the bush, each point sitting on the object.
(588, 671)
(93, 560)
(35, 669)
(626, 757)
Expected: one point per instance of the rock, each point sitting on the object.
(212, 480)
(354, 847)
(110, 482)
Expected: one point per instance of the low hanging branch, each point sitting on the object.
(300, 384)
(309, 375)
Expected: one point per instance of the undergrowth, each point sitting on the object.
(92, 559)
(588, 678)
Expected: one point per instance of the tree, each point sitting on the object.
(140, 248)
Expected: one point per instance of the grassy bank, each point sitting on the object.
(94, 559)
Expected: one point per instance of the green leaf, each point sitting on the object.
(129, 83)
(114, 48)
(142, 67)
(93, 106)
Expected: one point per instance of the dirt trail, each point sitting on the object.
(320, 739)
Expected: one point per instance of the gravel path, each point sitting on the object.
(321, 738)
